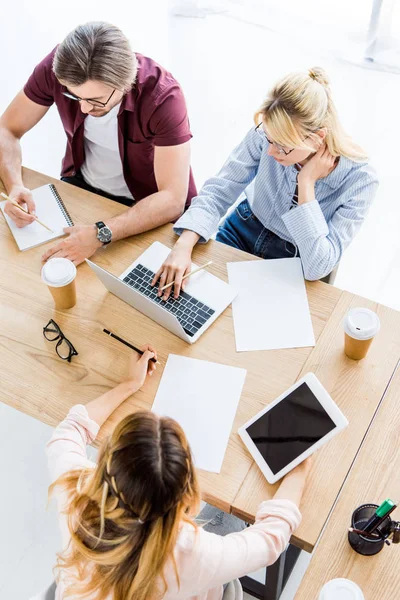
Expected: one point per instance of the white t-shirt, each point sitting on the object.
(102, 168)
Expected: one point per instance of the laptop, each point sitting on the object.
(204, 299)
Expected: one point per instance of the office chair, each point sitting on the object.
(233, 591)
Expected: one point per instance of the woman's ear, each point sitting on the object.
(323, 132)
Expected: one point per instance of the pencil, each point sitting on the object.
(188, 275)
(25, 211)
(374, 536)
(116, 337)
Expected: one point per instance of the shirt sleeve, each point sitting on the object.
(66, 449)
(169, 122)
(321, 243)
(218, 560)
(221, 191)
(40, 86)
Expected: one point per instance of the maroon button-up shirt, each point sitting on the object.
(152, 114)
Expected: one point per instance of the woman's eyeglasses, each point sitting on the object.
(96, 103)
(64, 348)
(280, 148)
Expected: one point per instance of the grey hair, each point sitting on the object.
(96, 51)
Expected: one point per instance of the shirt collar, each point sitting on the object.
(128, 101)
(336, 177)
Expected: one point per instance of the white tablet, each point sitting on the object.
(292, 427)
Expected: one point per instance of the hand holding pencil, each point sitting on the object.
(21, 196)
(141, 365)
(164, 287)
(16, 216)
(139, 368)
(176, 269)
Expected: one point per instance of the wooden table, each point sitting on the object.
(374, 477)
(38, 383)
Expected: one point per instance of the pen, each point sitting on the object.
(374, 536)
(116, 337)
(380, 515)
(25, 211)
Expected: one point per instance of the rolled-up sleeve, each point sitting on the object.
(219, 560)
(40, 86)
(169, 122)
(321, 243)
(221, 191)
(66, 449)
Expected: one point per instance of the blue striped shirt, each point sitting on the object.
(321, 229)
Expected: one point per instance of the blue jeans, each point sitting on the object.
(242, 230)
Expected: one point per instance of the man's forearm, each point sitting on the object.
(149, 213)
(10, 160)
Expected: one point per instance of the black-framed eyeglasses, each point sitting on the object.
(92, 102)
(64, 348)
(280, 148)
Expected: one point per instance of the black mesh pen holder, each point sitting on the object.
(368, 545)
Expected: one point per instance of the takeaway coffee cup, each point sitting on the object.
(59, 276)
(360, 327)
(341, 589)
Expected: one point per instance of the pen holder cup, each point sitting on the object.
(363, 544)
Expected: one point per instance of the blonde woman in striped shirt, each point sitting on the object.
(307, 186)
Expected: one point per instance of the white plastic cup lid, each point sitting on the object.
(58, 272)
(361, 323)
(341, 589)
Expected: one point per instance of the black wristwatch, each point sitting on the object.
(104, 233)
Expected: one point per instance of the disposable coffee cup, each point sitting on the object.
(360, 327)
(341, 589)
(59, 276)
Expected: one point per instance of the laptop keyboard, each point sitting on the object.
(190, 312)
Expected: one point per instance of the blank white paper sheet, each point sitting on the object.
(203, 397)
(271, 309)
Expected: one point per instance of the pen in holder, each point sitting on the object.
(368, 543)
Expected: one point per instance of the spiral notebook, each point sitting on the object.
(51, 210)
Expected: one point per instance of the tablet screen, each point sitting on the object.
(289, 428)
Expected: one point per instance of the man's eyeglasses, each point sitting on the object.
(92, 102)
(64, 348)
(280, 148)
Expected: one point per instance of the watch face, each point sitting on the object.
(104, 235)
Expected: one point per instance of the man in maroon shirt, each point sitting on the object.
(128, 135)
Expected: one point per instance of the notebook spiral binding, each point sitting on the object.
(61, 204)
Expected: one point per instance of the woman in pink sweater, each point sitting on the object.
(127, 522)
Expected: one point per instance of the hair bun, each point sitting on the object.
(319, 75)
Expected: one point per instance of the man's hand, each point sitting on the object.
(81, 243)
(319, 166)
(23, 197)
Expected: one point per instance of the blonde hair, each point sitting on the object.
(96, 51)
(299, 105)
(124, 515)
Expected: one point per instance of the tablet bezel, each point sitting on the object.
(329, 406)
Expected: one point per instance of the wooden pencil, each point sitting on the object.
(187, 275)
(25, 211)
